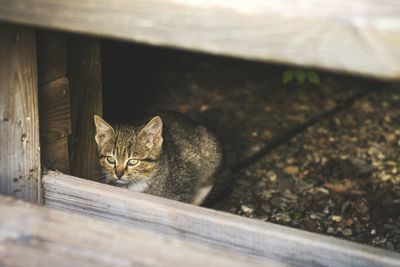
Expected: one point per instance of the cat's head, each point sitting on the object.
(129, 154)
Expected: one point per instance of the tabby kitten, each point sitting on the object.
(170, 156)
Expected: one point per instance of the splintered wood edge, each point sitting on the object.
(213, 228)
(361, 37)
(37, 236)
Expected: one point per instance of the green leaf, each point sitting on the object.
(300, 76)
(313, 77)
(287, 76)
(297, 216)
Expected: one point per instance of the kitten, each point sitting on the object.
(170, 156)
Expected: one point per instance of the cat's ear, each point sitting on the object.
(151, 134)
(104, 131)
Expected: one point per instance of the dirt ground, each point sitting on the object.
(338, 176)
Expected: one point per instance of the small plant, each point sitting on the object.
(301, 76)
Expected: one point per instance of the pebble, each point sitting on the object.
(290, 160)
(336, 218)
(330, 230)
(347, 232)
(322, 190)
(272, 176)
(204, 108)
(391, 163)
(267, 194)
(373, 232)
(326, 210)
(254, 149)
(291, 170)
(288, 194)
(248, 209)
(275, 201)
(265, 207)
(267, 134)
(391, 138)
(385, 177)
(283, 216)
(303, 186)
(379, 240)
(308, 224)
(315, 216)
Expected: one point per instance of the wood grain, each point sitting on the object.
(51, 50)
(19, 125)
(54, 102)
(36, 236)
(55, 114)
(360, 36)
(217, 229)
(55, 155)
(84, 73)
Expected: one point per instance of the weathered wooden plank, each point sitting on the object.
(361, 36)
(55, 155)
(54, 104)
(51, 50)
(55, 124)
(19, 127)
(249, 237)
(37, 236)
(55, 114)
(84, 73)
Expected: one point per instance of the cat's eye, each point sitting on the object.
(132, 162)
(111, 159)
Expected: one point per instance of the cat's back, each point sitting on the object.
(191, 141)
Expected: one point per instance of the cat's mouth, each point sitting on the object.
(121, 182)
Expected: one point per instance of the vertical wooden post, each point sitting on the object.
(84, 73)
(19, 125)
(54, 103)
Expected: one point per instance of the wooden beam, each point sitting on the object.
(19, 122)
(56, 115)
(54, 103)
(37, 236)
(55, 124)
(84, 73)
(221, 230)
(52, 64)
(361, 36)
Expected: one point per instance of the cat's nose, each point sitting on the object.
(119, 173)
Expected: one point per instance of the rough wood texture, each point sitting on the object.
(54, 104)
(36, 236)
(19, 126)
(55, 155)
(55, 124)
(360, 36)
(245, 236)
(84, 73)
(51, 50)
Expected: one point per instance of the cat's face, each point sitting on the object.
(128, 154)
